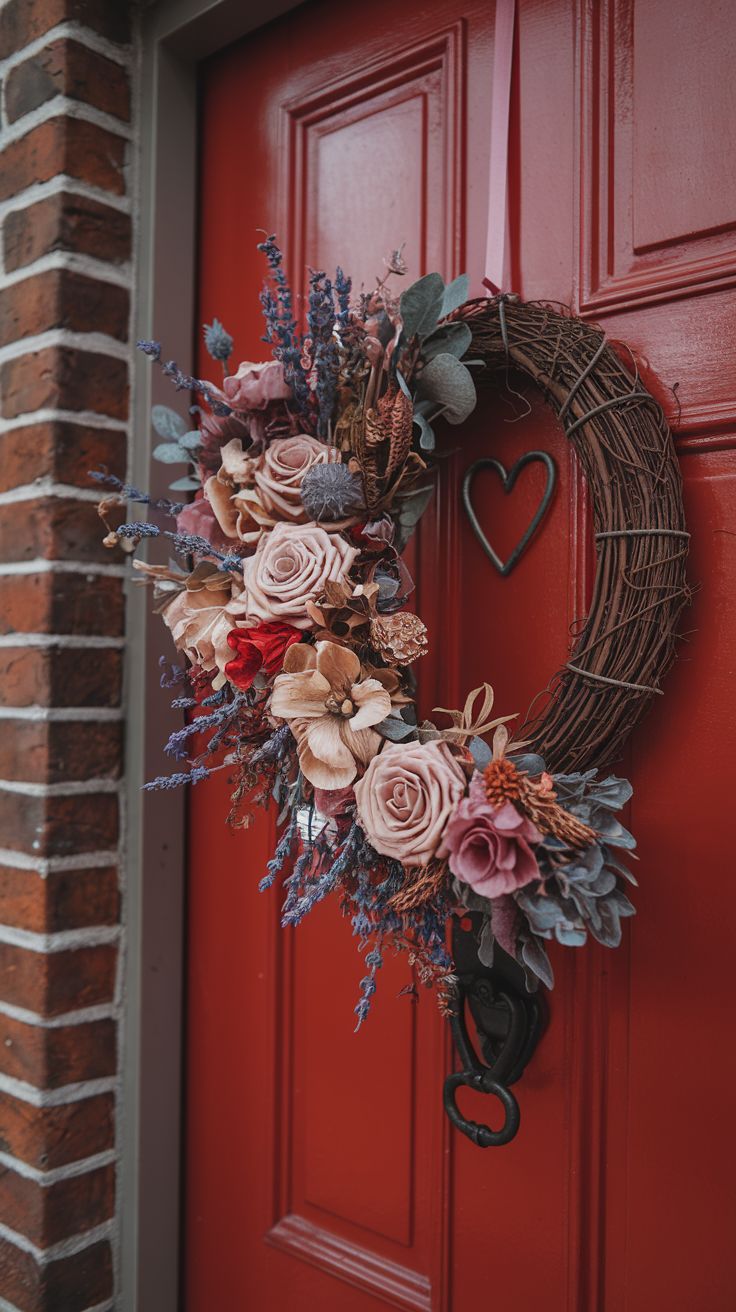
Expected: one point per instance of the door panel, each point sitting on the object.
(320, 1169)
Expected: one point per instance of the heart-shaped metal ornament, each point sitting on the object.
(508, 479)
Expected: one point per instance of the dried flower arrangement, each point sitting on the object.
(311, 471)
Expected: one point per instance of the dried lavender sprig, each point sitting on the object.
(224, 714)
(374, 960)
(186, 544)
(171, 508)
(283, 851)
(343, 288)
(166, 781)
(171, 675)
(183, 382)
(218, 341)
(319, 888)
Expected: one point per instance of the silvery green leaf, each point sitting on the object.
(403, 383)
(455, 338)
(485, 944)
(426, 433)
(187, 484)
(192, 440)
(534, 956)
(455, 294)
(480, 752)
(410, 509)
(395, 729)
(170, 453)
(167, 422)
(529, 762)
(448, 383)
(420, 305)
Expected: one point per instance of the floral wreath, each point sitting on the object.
(311, 472)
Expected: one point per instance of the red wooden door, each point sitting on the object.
(320, 1171)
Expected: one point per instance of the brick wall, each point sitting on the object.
(65, 258)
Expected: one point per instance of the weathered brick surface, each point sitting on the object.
(47, 1214)
(68, 1284)
(39, 751)
(66, 222)
(61, 298)
(59, 826)
(64, 1054)
(56, 528)
(68, 604)
(65, 378)
(66, 68)
(23, 21)
(63, 452)
(64, 145)
(62, 899)
(60, 676)
(49, 1137)
(52, 983)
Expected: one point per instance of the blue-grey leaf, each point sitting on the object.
(187, 484)
(170, 453)
(529, 762)
(395, 729)
(426, 433)
(403, 383)
(534, 956)
(455, 338)
(168, 423)
(455, 294)
(191, 441)
(485, 944)
(480, 752)
(421, 304)
(448, 383)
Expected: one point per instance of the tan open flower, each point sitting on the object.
(331, 711)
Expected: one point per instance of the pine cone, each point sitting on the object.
(399, 638)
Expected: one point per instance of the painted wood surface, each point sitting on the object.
(321, 1173)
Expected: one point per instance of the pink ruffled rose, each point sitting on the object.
(406, 797)
(290, 568)
(254, 386)
(490, 846)
(279, 473)
(199, 518)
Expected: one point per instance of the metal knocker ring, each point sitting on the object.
(483, 1082)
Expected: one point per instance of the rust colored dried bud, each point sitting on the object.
(400, 638)
(502, 781)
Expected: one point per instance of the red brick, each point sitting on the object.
(54, 982)
(66, 68)
(22, 21)
(61, 298)
(50, 1058)
(64, 145)
(39, 751)
(63, 899)
(63, 452)
(68, 1284)
(70, 604)
(59, 826)
(47, 1137)
(56, 528)
(66, 222)
(47, 1214)
(65, 378)
(60, 676)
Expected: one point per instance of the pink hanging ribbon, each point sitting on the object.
(498, 258)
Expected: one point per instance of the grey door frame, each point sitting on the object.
(175, 36)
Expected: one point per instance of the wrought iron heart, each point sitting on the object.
(508, 479)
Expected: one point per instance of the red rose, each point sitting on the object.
(261, 647)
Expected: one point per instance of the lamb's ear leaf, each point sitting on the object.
(455, 338)
(191, 441)
(449, 384)
(421, 304)
(170, 453)
(186, 484)
(168, 423)
(455, 294)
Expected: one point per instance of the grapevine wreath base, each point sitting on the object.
(310, 473)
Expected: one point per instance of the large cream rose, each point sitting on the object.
(406, 797)
(290, 568)
(200, 620)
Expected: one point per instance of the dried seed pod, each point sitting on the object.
(400, 638)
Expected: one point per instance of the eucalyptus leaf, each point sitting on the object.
(410, 509)
(421, 304)
(395, 729)
(191, 441)
(168, 423)
(455, 294)
(480, 752)
(186, 484)
(455, 338)
(448, 383)
(426, 433)
(403, 383)
(170, 453)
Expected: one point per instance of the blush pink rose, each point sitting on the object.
(280, 470)
(290, 568)
(406, 797)
(489, 845)
(255, 385)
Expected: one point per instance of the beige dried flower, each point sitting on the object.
(400, 638)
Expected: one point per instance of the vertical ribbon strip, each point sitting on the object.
(498, 260)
